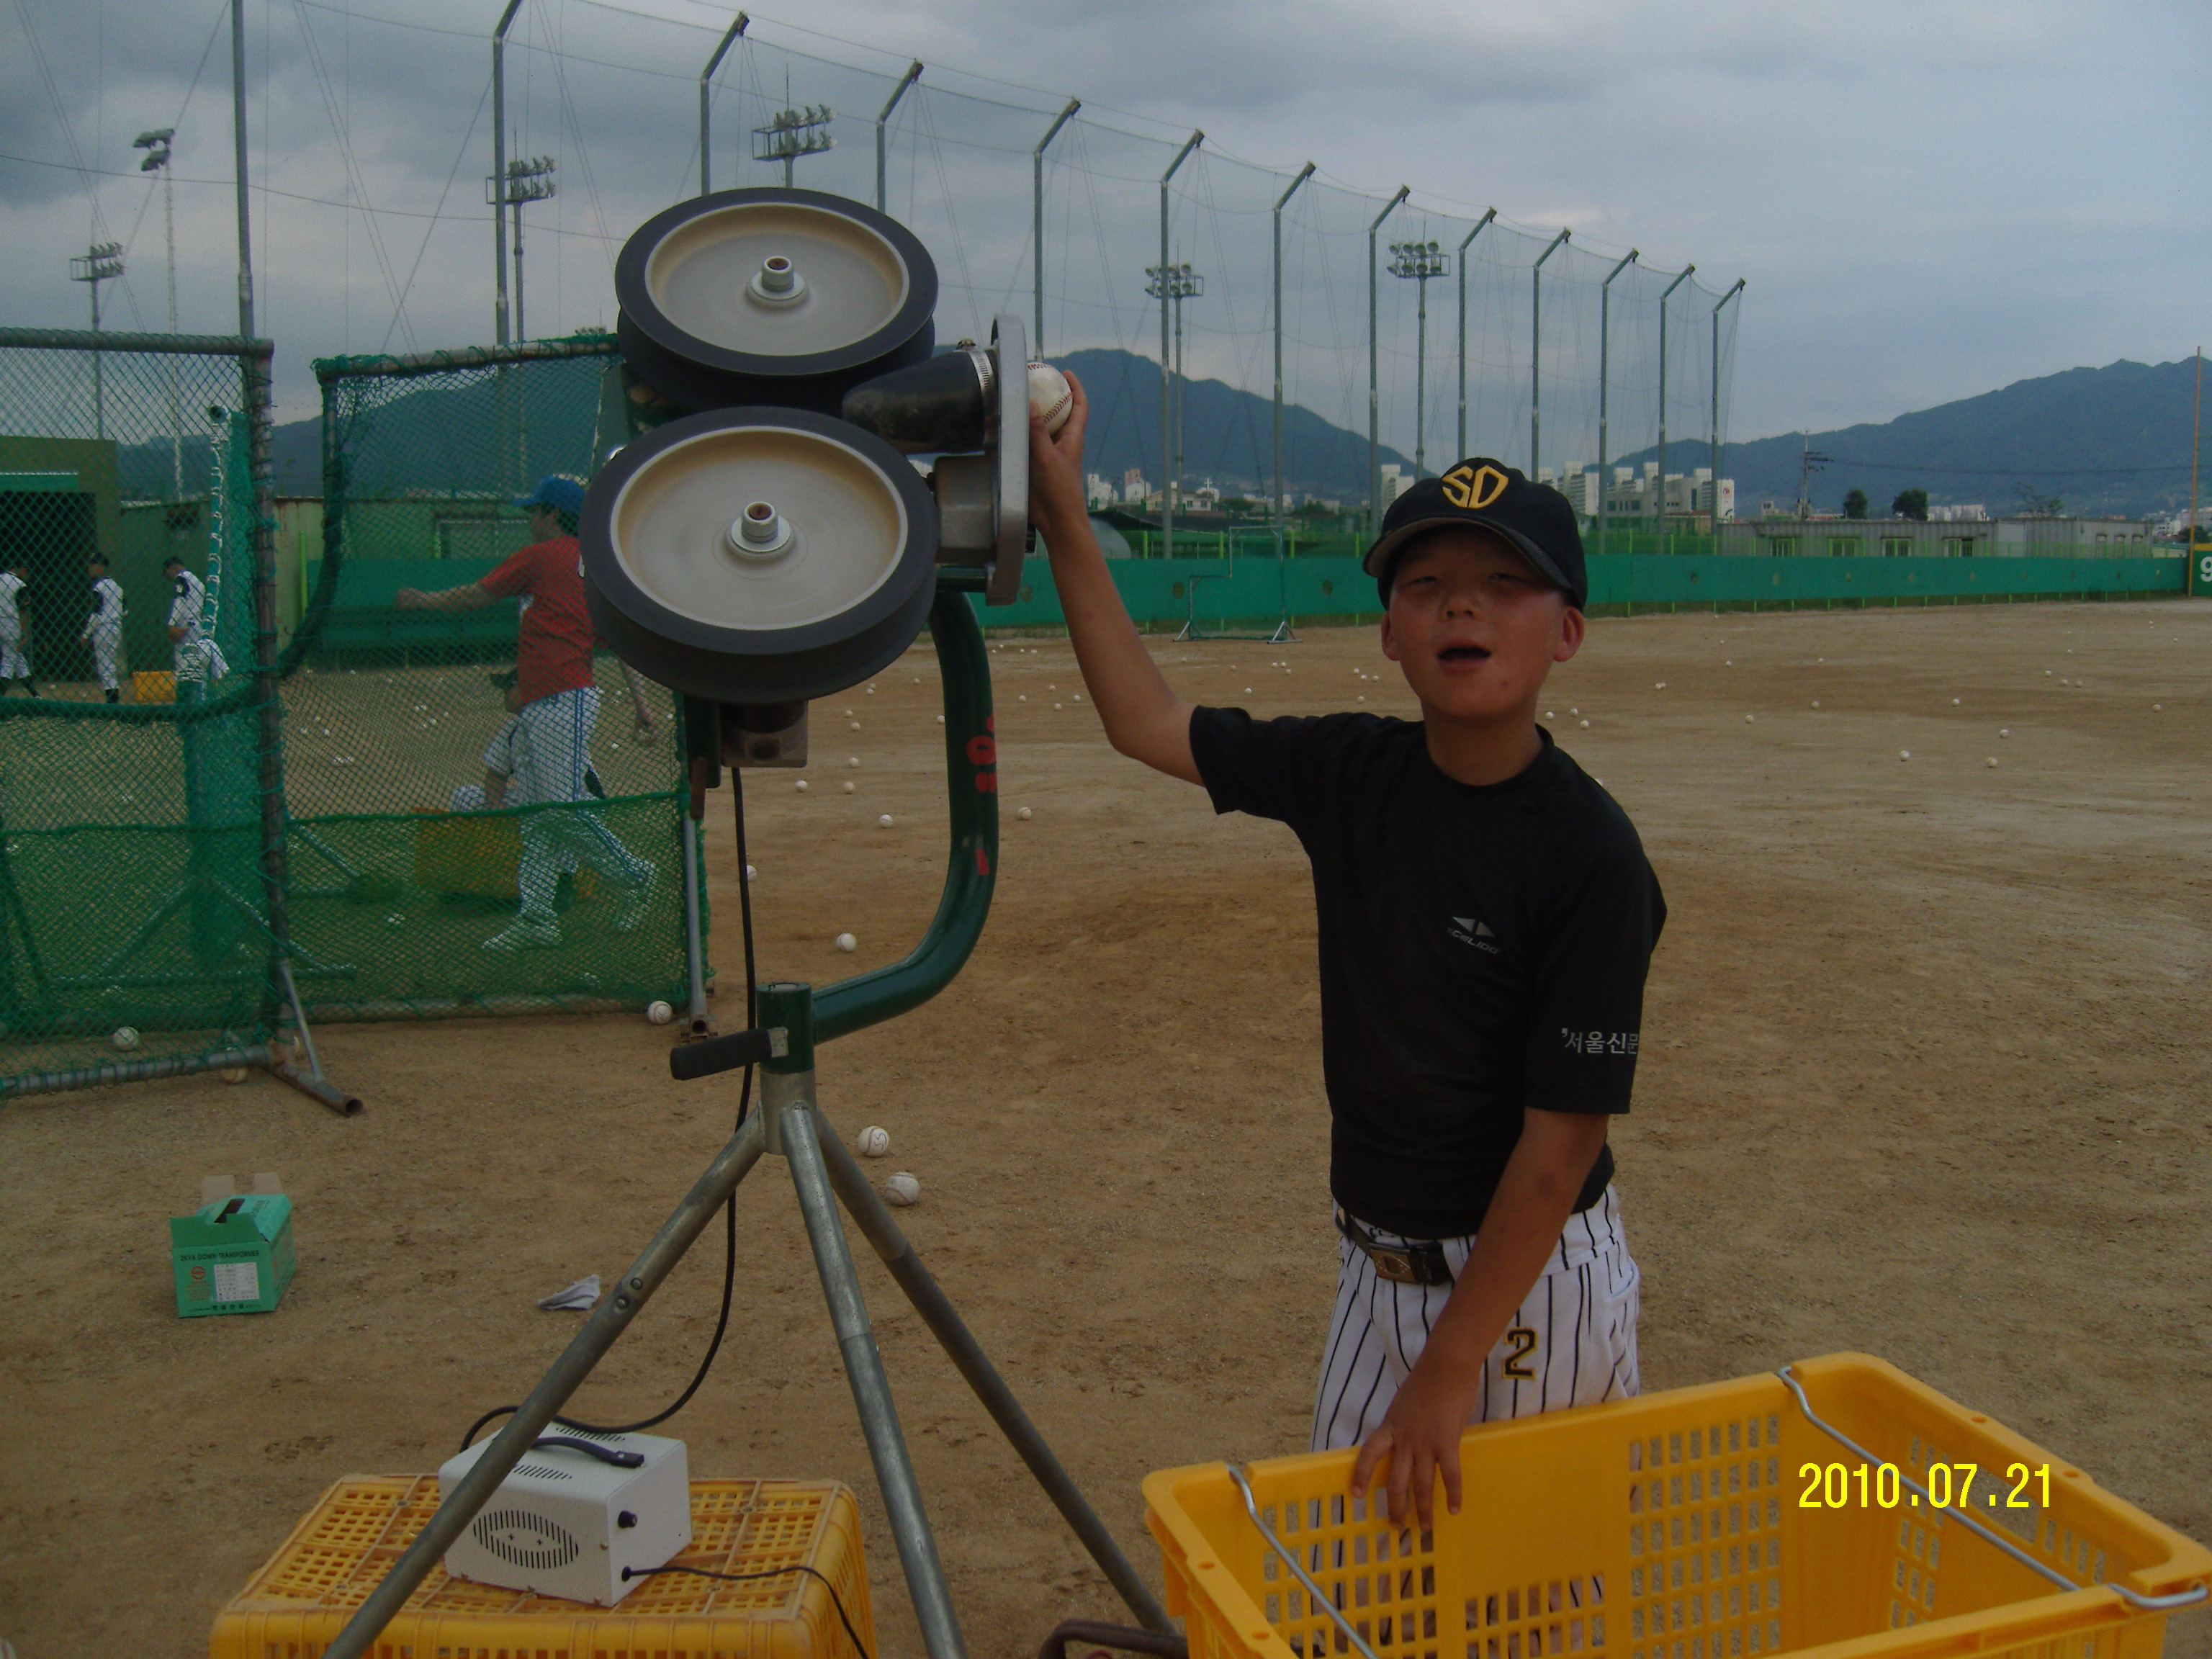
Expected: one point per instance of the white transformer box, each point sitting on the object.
(577, 1510)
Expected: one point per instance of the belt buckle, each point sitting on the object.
(1397, 1266)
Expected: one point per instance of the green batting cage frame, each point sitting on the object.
(143, 904)
(283, 830)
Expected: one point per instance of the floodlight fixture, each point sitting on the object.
(1171, 285)
(793, 133)
(97, 265)
(526, 179)
(1417, 262)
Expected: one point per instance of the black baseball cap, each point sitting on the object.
(1535, 519)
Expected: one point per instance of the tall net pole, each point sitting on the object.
(730, 38)
(1282, 506)
(1167, 402)
(1466, 243)
(1715, 503)
(1374, 374)
(1660, 482)
(1604, 367)
(883, 122)
(1037, 217)
(1536, 353)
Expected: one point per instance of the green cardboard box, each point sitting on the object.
(233, 1254)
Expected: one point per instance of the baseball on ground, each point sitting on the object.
(125, 1036)
(658, 1013)
(901, 1189)
(847, 942)
(873, 1141)
(233, 1074)
(1050, 396)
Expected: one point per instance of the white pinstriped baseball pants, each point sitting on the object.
(551, 749)
(1572, 1342)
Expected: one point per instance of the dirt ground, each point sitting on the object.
(1923, 1075)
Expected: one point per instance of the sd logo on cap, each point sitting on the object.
(1535, 520)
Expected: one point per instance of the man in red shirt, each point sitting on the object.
(555, 705)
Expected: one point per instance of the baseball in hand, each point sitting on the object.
(902, 1190)
(1050, 396)
(658, 1013)
(874, 1141)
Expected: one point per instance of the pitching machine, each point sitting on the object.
(769, 543)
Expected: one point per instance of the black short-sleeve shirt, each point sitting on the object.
(1483, 949)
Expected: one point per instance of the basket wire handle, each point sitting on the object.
(2151, 1603)
(1321, 1598)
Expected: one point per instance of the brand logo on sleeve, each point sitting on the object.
(1472, 930)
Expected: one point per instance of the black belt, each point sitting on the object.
(1421, 1261)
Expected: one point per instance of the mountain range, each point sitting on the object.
(2109, 440)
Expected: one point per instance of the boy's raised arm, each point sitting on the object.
(1144, 718)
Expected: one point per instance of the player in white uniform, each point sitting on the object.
(103, 627)
(14, 654)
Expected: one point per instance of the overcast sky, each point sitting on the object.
(1928, 198)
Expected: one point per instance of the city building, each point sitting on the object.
(1640, 499)
(1961, 538)
(1395, 484)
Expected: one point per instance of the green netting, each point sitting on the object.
(139, 889)
(400, 874)
(133, 895)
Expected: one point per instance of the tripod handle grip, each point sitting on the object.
(722, 1053)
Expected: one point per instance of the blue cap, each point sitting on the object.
(557, 490)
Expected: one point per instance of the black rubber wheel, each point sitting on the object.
(696, 327)
(679, 598)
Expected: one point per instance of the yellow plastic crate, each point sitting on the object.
(153, 685)
(299, 1600)
(1669, 1527)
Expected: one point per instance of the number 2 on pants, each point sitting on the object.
(1523, 1342)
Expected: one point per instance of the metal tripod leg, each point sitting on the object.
(605, 1325)
(863, 1365)
(898, 1256)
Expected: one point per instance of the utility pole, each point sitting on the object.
(102, 261)
(794, 132)
(498, 166)
(238, 134)
(157, 146)
(528, 180)
(1604, 368)
(1173, 284)
(1466, 242)
(1417, 262)
(1662, 503)
(730, 38)
(1536, 355)
(1167, 404)
(1716, 509)
(1282, 506)
(913, 74)
(1036, 218)
(1812, 462)
(1375, 376)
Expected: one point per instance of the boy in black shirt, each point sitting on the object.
(1487, 918)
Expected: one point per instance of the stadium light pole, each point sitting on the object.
(883, 118)
(1724, 299)
(1167, 438)
(1281, 513)
(1465, 243)
(1037, 217)
(1604, 366)
(1417, 262)
(1663, 298)
(498, 168)
(238, 168)
(1536, 354)
(526, 180)
(157, 144)
(102, 261)
(1176, 283)
(1375, 375)
(730, 36)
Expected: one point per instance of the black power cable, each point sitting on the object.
(729, 1209)
(835, 1601)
